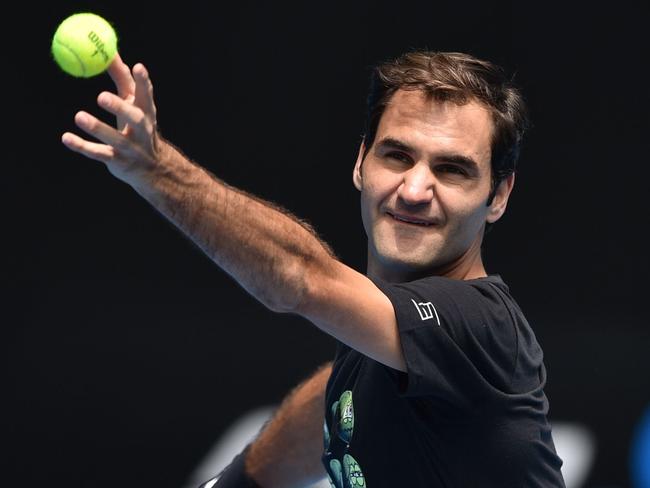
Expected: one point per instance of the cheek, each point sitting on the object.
(458, 205)
(373, 196)
(379, 184)
(469, 216)
(365, 216)
(369, 205)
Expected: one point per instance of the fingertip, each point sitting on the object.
(103, 98)
(118, 64)
(82, 119)
(70, 140)
(140, 70)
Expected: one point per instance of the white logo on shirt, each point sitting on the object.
(426, 310)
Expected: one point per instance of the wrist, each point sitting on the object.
(163, 161)
(164, 183)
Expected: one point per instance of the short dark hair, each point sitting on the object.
(459, 78)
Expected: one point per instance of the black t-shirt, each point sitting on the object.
(469, 412)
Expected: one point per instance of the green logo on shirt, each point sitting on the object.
(346, 413)
(342, 416)
(353, 472)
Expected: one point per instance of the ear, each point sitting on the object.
(500, 201)
(357, 178)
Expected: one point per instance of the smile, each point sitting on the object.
(410, 220)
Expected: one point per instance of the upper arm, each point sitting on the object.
(350, 307)
(459, 344)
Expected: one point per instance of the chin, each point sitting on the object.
(407, 263)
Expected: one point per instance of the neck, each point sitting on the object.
(467, 266)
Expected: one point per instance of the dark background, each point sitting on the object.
(126, 352)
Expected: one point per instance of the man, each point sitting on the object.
(438, 378)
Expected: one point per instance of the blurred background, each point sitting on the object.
(127, 355)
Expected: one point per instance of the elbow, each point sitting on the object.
(290, 292)
(302, 278)
(284, 304)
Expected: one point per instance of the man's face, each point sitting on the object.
(424, 184)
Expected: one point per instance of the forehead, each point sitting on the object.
(433, 126)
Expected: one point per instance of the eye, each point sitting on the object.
(452, 169)
(399, 156)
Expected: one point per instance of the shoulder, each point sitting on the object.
(472, 302)
(467, 330)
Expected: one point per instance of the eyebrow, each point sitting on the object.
(466, 161)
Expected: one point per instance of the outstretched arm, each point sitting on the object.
(271, 254)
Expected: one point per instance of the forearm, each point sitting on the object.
(288, 451)
(264, 248)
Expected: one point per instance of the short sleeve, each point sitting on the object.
(458, 339)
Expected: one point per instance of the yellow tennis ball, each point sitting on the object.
(84, 45)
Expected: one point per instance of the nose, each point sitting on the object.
(417, 185)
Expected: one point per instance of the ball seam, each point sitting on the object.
(83, 67)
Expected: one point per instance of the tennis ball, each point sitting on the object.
(84, 45)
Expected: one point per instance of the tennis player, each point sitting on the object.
(438, 380)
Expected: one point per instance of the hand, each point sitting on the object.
(132, 149)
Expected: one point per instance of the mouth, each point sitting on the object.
(407, 219)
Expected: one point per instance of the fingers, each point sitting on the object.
(134, 116)
(124, 83)
(144, 90)
(100, 130)
(134, 138)
(92, 150)
(116, 148)
(122, 78)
